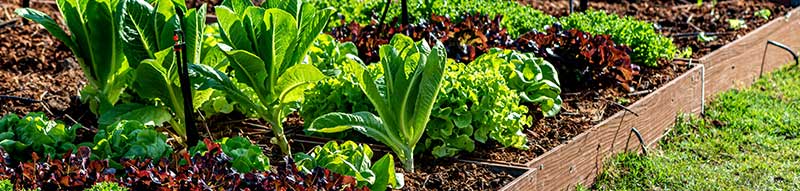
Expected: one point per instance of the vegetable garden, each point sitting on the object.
(358, 95)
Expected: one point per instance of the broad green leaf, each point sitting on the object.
(363, 122)
(249, 69)
(428, 89)
(146, 114)
(137, 30)
(232, 30)
(312, 22)
(278, 38)
(208, 77)
(195, 23)
(238, 6)
(385, 174)
(295, 80)
(290, 6)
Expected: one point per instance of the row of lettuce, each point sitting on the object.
(270, 60)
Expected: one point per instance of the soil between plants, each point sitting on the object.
(682, 20)
(35, 65)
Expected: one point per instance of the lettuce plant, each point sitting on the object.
(648, 44)
(95, 44)
(266, 48)
(35, 133)
(535, 79)
(132, 140)
(412, 76)
(245, 156)
(475, 104)
(354, 160)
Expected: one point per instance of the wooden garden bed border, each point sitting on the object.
(737, 64)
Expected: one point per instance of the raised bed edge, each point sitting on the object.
(737, 64)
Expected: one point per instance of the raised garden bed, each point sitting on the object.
(565, 150)
(737, 64)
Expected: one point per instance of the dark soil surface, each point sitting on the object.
(683, 20)
(36, 66)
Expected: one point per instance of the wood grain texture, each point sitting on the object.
(581, 159)
(739, 63)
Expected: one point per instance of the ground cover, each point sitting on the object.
(748, 140)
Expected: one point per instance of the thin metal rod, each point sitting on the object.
(779, 45)
(383, 16)
(639, 136)
(404, 10)
(192, 136)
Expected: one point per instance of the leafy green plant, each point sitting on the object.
(737, 24)
(763, 13)
(246, 156)
(95, 44)
(270, 45)
(412, 76)
(5, 185)
(107, 186)
(132, 140)
(475, 104)
(535, 79)
(339, 91)
(148, 29)
(326, 54)
(648, 45)
(354, 160)
(685, 53)
(147, 33)
(35, 133)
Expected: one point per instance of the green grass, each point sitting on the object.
(748, 140)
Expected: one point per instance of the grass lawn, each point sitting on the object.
(748, 140)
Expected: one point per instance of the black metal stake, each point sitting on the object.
(584, 5)
(639, 136)
(183, 75)
(405, 11)
(383, 16)
(779, 45)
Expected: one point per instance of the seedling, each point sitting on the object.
(737, 24)
(763, 13)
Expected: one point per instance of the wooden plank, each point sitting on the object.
(739, 63)
(581, 159)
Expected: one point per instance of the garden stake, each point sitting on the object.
(183, 76)
(404, 7)
(639, 136)
(779, 45)
(383, 17)
(621, 120)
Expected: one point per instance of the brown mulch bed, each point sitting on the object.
(35, 65)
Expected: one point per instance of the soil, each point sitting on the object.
(37, 67)
(683, 20)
